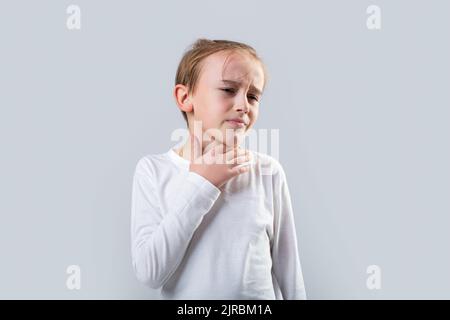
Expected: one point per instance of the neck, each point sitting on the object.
(185, 150)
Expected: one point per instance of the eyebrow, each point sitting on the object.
(239, 83)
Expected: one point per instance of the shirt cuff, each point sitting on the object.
(198, 195)
(203, 186)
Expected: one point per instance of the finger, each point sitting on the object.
(239, 160)
(215, 153)
(235, 153)
(239, 169)
(210, 145)
(232, 148)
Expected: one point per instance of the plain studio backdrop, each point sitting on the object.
(362, 117)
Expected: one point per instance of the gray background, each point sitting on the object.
(363, 118)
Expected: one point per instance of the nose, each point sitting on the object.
(242, 104)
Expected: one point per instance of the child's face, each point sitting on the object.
(226, 92)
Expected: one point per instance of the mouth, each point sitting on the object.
(236, 124)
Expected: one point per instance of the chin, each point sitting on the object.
(235, 140)
(235, 136)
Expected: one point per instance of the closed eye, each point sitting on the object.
(233, 91)
(228, 90)
(254, 98)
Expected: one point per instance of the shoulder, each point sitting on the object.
(267, 164)
(150, 164)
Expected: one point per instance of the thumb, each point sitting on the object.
(211, 145)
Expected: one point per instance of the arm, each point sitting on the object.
(285, 258)
(159, 239)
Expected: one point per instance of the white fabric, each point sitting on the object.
(196, 241)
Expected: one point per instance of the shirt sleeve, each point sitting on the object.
(285, 257)
(159, 239)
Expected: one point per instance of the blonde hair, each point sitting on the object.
(189, 68)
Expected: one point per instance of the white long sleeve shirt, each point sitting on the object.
(193, 240)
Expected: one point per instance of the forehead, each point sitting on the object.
(235, 66)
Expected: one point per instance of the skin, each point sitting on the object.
(215, 101)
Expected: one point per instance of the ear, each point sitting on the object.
(183, 98)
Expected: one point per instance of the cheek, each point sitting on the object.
(224, 102)
(213, 110)
(219, 107)
(254, 115)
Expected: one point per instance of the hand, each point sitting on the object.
(217, 163)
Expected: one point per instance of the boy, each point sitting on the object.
(206, 222)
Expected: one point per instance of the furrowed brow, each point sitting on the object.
(238, 83)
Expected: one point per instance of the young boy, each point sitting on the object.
(207, 221)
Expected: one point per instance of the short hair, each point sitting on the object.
(189, 68)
